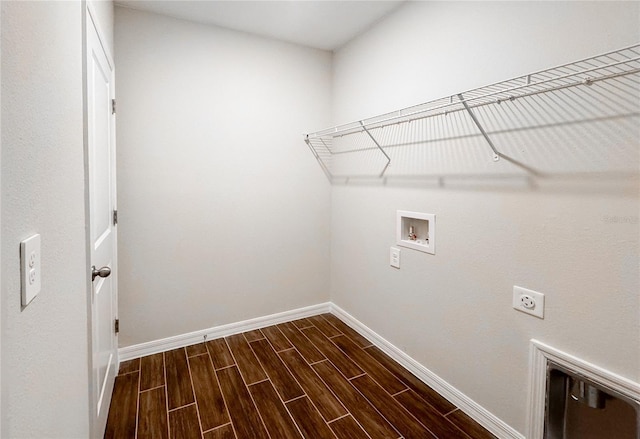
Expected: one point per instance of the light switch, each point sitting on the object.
(30, 268)
(394, 257)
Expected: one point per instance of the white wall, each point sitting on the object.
(223, 212)
(44, 346)
(452, 311)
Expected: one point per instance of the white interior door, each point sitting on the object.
(102, 230)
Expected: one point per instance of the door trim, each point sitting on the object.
(92, 16)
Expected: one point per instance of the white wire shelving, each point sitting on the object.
(587, 109)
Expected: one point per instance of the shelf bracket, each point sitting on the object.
(496, 154)
(317, 156)
(379, 147)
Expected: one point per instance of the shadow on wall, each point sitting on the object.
(572, 128)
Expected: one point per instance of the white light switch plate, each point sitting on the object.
(30, 268)
(394, 257)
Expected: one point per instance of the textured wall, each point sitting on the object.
(452, 311)
(223, 213)
(44, 346)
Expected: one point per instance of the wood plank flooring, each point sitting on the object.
(312, 378)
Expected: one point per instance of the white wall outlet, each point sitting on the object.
(30, 268)
(528, 301)
(394, 257)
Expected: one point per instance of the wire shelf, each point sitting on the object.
(576, 113)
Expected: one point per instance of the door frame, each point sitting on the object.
(89, 20)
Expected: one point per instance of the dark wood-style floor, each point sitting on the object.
(314, 378)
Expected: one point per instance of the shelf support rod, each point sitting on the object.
(496, 154)
(379, 147)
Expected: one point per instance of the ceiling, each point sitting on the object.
(321, 24)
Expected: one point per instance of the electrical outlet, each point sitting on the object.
(394, 257)
(30, 268)
(528, 301)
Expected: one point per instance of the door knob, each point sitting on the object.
(103, 272)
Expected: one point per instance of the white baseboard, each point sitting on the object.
(466, 404)
(182, 340)
(481, 415)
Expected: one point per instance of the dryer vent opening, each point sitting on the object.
(579, 408)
